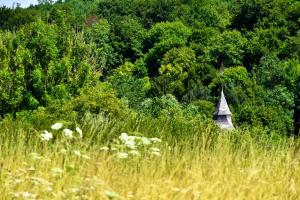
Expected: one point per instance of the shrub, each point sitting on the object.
(100, 98)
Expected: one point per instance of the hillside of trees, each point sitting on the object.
(152, 58)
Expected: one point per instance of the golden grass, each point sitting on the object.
(184, 170)
(197, 162)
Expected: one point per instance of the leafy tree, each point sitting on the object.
(253, 113)
(292, 69)
(219, 49)
(263, 42)
(204, 39)
(12, 85)
(210, 13)
(164, 106)
(33, 73)
(42, 40)
(128, 37)
(110, 9)
(13, 18)
(196, 90)
(230, 50)
(250, 14)
(177, 65)
(155, 11)
(103, 57)
(129, 86)
(236, 83)
(268, 72)
(161, 38)
(201, 107)
(100, 98)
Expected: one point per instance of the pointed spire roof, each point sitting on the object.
(222, 107)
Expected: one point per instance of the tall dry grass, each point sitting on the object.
(202, 163)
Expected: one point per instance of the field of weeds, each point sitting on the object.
(145, 161)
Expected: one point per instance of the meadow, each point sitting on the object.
(114, 100)
(145, 159)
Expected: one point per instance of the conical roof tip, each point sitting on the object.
(222, 107)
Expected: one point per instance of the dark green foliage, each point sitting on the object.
(161, 38)
(102, 53)
(154, 58)
(210, 13)
(128, 37)
(33, 71)
(12, 19)
(178, 64)
(164, 106)
(130, 84)
(202, 107)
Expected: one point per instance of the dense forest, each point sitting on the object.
(152, 58)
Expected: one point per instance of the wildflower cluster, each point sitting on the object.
(130, 145)
(47, 136)
(67, 134)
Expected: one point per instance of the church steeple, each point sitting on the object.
(222, 114)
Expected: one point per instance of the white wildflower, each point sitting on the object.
(130, 144)
(114, 149)
(56, 126)
(46, 136)
(134, 152)
(77, 153)
(17, 181)
(155, 153)
(145, 141)
(155, 140)
(104, 148)
(111, 194)
(123, 137)
(57, 171)
(74, 190)
(26, 195)
(122, 155)
(132, 137)
(86, 157)
(68, 133)
(31, 169)
(36, 156)
(154, 149)
(79, 131)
